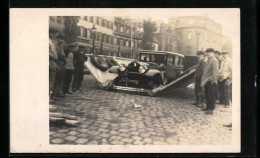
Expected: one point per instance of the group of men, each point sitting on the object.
(65, 63)
(213, 80)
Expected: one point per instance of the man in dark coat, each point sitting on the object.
(209, 80)
(61, 61)
(198, 90)
(53, 67)
(79, 59)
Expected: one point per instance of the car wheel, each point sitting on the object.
(99, 63)
(111, 62)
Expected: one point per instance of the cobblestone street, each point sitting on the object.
(109, 118)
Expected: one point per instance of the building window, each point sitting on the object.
(189, 35)
(52, 18)
(82, 31)
(102, 24)
(188, 49)
(121, 29)
(97, 20)
(59, 19)
(179, 36)
(91, 18)
(100, 21)
(115, 40)
(127, 43)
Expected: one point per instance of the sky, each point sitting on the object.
(228, 18)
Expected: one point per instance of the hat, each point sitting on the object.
(225, 52)
(72, 45)
(210, 50)
(60, 35)
(217, 52)
(200, 52)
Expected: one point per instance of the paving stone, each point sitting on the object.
(113, 132)
(63, 130)
(59, 135)
(73, 133)
(127, 140)
(104, 135)
(148, 140)
(137, 142)
(136, 138)
(71, 138)
(57, 141)
(81, 140)
(93, 143)
(82, 135)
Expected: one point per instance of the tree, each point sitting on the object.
(149, 30)
(71, 30)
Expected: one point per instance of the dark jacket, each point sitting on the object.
(199, 69)
(79, 59)
(210, 72)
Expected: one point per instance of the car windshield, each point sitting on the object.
(156, 58)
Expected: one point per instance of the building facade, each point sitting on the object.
(114, 36)
(165, 34)
(195, 33)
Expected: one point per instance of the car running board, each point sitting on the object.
(183, 81)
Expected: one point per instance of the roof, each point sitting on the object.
(161, 52)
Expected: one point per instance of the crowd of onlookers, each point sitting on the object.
(66, 62)
(213, 80)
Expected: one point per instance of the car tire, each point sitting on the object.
(99, 62)
(111, 62)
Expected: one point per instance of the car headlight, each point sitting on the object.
(142, 69)
(122, 67)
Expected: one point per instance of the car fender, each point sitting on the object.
(152, 73)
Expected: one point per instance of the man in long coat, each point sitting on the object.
(198, 90)
(209, 80)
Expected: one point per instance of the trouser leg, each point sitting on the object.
(75, 79)
(52, 75)
(206, 92)
(80, 78)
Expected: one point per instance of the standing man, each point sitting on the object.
(53, 67)
(79, 58)
(224, 73)
(198, 90)
(219, 97)
(209, 80)
(69, 68)
(61, 64)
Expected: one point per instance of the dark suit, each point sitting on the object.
(209, 80)
(79, 59)
(198, 90)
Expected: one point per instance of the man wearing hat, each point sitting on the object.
(61, 61)
(209, 80)
(198, 90)
(225, 73)
(79, 58)
(219, 58)
(69, 68)
(53, 67)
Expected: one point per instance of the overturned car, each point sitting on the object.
(151, 74)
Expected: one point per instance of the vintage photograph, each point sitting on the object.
(123, 80)
(128, 80)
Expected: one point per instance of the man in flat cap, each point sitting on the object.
(79, 59)
(209, 80)
(219, 58)
(198, 90)
(61, 61)
(225, 73)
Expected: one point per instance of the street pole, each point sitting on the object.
(94, 36)
(132, 40)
